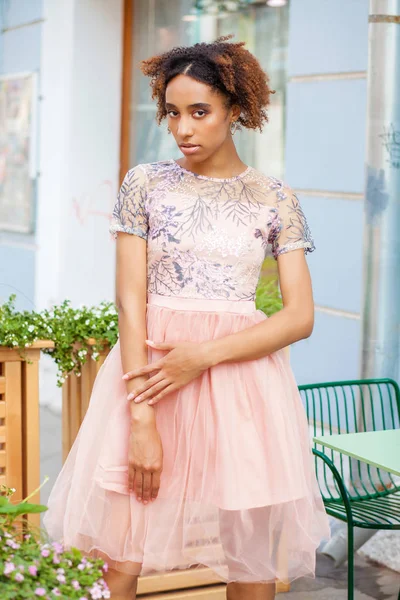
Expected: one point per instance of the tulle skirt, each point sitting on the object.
(238, 491)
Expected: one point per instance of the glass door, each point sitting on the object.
(159, 25)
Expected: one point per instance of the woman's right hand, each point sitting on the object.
(145, 461)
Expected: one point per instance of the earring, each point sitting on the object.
(168, 130)
(233, 127)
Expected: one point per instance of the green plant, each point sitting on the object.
(31, 567)
(69, 328)
(268, 297)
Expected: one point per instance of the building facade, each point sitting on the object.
(92, 118)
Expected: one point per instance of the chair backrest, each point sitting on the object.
(348, 407)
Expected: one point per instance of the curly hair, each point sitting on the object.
(225, 66)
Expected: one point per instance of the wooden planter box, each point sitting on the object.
(76, 392)
(19, 421)
(199, 584)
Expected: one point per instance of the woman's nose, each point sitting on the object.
(185, 128)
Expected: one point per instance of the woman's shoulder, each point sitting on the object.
(271, 185)
(152, 169)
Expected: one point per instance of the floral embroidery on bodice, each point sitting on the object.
(207, 237)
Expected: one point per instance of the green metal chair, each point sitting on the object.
(361, 495)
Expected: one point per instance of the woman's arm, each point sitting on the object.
(294, 322)
(186, 360)
(145, 448)
(131, 305)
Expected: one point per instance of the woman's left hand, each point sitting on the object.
(185, 361)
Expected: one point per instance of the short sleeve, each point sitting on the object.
(129, 214)
(292, 231)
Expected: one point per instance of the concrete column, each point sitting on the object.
(381, 288)
(80, 90)
(79, 149)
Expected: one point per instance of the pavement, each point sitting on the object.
(372, 580)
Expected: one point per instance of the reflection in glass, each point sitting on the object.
(162, 24)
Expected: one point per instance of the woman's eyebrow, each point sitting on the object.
(196, 105)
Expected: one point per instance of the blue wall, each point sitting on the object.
(325, 153)
(20, 41)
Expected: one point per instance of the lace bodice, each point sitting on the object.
(207, 237)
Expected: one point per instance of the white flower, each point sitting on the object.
(87, 322)
(112, 323)
(31, 328)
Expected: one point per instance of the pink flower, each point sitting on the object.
(32, 570)
(45, 552)
(58, 547)
(40, 591)
(75, 584)
(19, 577)
(96, 592)
(56, 592)
(8, 568)
(81, 567)
(105, 567)
(56, 560)
(61, 578)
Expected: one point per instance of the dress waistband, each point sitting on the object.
(242, 307)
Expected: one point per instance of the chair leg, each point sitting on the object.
(350, 562)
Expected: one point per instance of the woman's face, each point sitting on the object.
(198, 117)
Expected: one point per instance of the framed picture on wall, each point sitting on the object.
(17, 151)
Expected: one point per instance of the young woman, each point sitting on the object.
(195, 447)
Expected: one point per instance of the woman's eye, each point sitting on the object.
(172, 113)
(200, 113)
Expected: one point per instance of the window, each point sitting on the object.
(17, 141)
(159, 25)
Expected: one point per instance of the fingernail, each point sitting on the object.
(125, 377)
(139, 499)
(131, 396)
(138, 399)
(150, 342)
(150, 402)
(145, 502)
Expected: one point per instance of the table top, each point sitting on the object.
(377, 448)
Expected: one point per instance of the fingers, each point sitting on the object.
(146, 487)
(138, 485)
(160, 345)
(155, 485)
(143, 370)
(131, 477)
(170, 388)
(144, 484)
(153, 391)
(148, 384)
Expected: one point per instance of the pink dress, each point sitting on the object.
(238, 491)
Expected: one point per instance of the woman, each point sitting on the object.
(195, 447)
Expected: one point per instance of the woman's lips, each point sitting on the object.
(189, 149)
